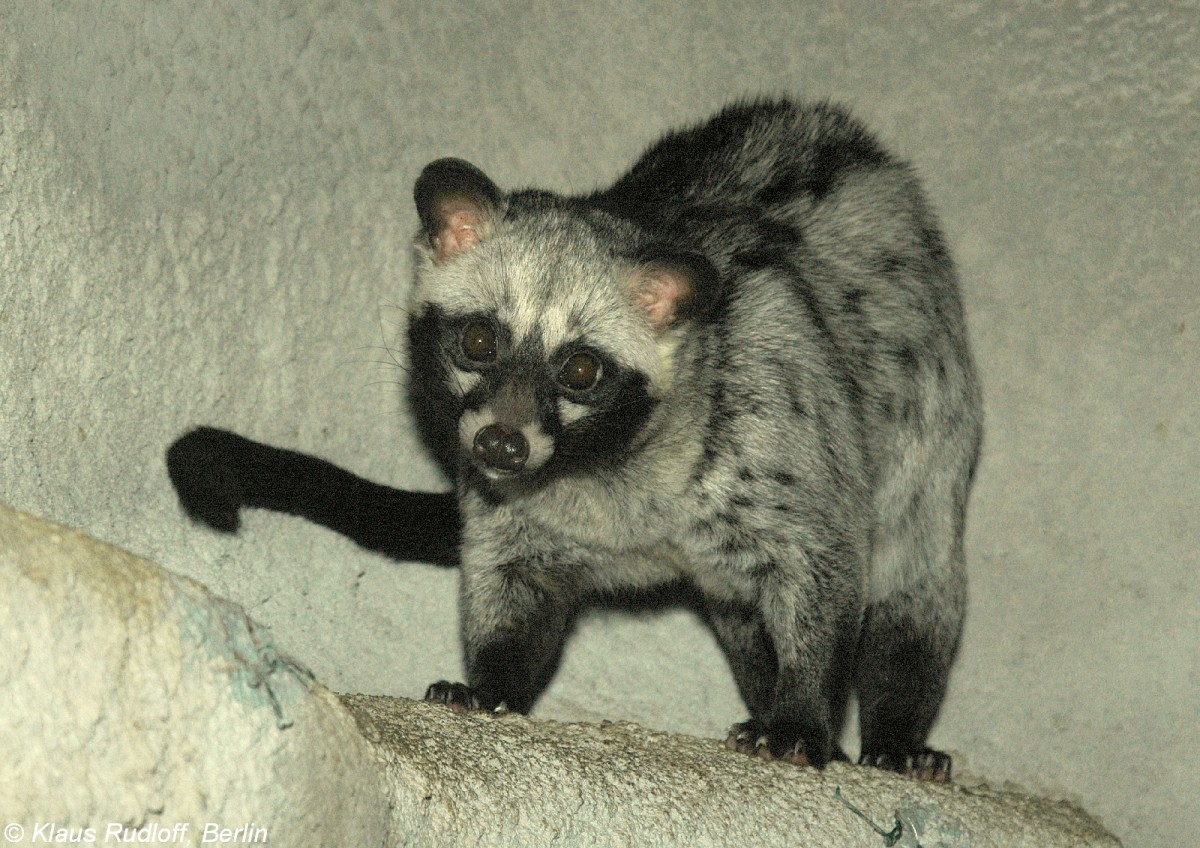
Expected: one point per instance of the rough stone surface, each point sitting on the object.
(515, 781)
(205, 217)
(136, 700)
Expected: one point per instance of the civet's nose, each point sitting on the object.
(501, 447)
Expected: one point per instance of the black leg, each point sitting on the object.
(791, 662)
(751, 656)
(904, 663)
(515, 620)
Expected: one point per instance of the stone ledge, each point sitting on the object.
(136, 697)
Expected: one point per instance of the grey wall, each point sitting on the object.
(204, 218)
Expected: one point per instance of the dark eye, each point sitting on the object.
(580, 372)
(478, 342)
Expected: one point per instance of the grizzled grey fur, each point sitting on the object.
(744, 366)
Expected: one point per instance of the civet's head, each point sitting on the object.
(541, 328)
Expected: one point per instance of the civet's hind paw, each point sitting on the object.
(927, 764)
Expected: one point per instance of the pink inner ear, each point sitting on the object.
(462, 229)
(658, 294)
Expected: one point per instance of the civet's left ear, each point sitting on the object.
(671, 285)
(457, 204)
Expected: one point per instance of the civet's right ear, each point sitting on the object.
(670, 285)
(457, 204)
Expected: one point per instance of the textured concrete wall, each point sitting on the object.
(204, 218)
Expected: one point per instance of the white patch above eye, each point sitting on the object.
(570, 412)
(507, 274)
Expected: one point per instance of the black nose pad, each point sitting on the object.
(501, 447)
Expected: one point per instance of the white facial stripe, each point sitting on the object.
(461, 381)
(541, 446)
(524, 320)
(570, 412)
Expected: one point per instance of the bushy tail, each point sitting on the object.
(216, 473)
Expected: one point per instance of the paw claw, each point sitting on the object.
(459, 697)
(750, 739)
(928, 764)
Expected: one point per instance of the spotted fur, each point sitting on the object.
(789, 419)
(743, 366)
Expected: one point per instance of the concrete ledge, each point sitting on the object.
(136, 699)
